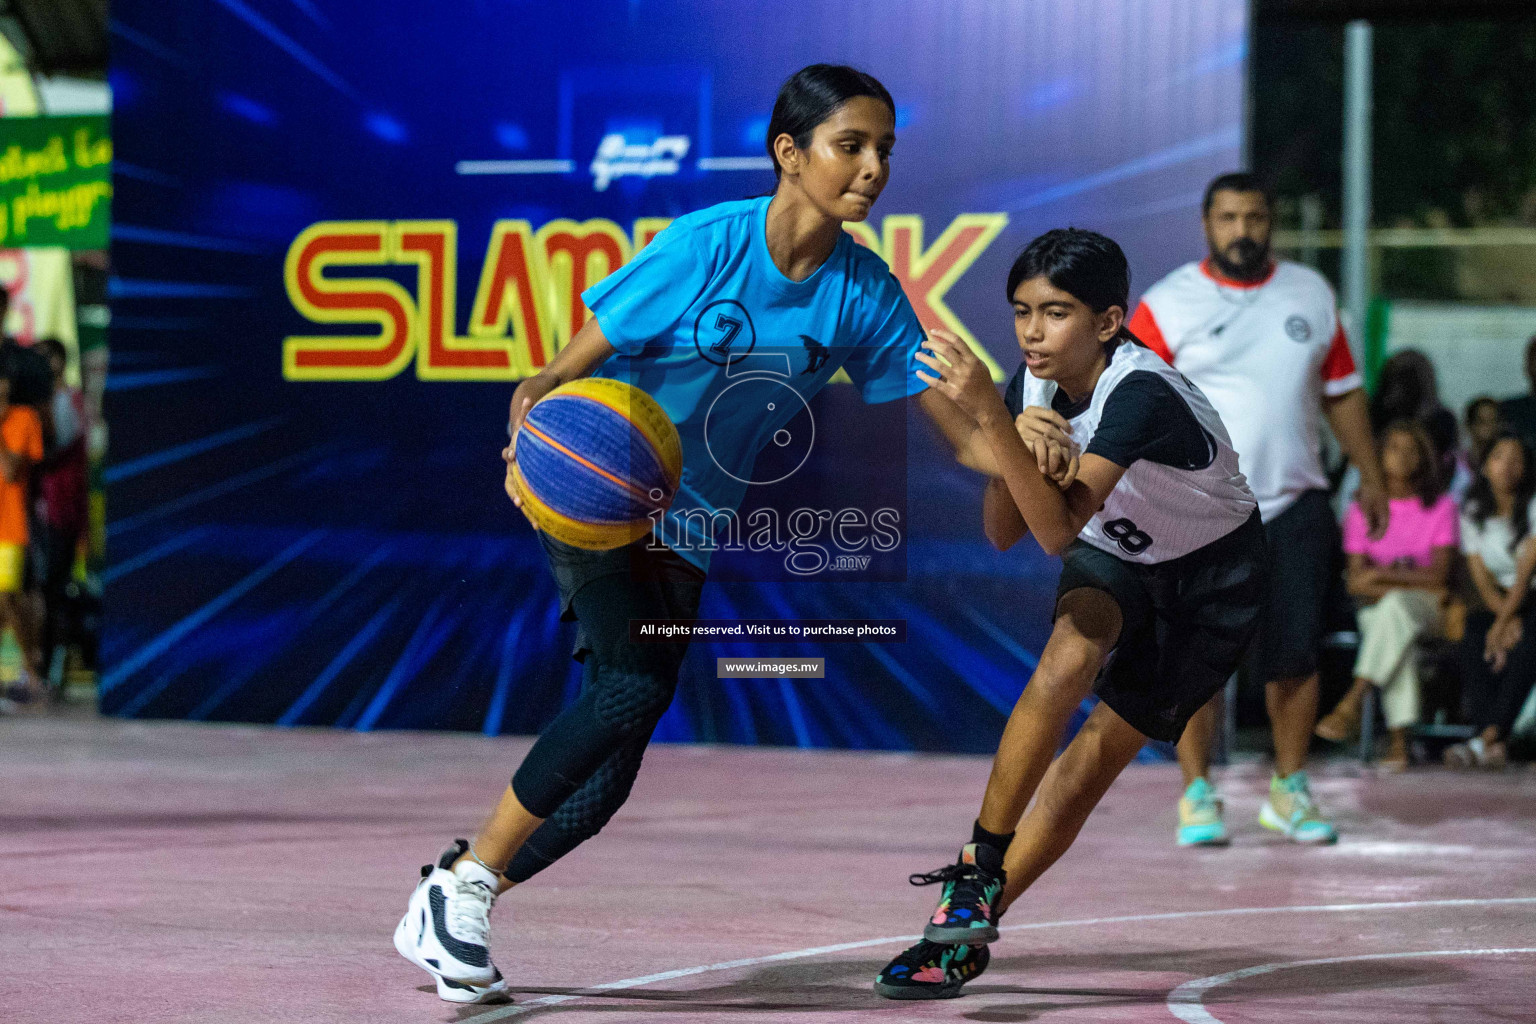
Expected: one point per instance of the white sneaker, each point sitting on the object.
(458, 992)
(447, 924)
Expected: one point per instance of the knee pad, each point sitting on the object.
(586, 811)
(622, 699)
(630, 694)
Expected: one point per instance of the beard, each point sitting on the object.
(1243, 260)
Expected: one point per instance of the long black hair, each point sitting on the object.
(813, 94)
(1085, 264)
(1480, 504)
(1470, 415)
(1475, 447)
(1426, 481)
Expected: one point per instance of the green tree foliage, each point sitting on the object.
(1456, 123)
(1455, 119)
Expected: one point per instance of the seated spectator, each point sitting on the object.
(64, 491)
(21, 446)
(1499, 650)
(24, 366)
(1400, 584)
(1406, 390)
(1519, 413)
(1483, 423)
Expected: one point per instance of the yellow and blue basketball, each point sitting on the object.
(596, 459)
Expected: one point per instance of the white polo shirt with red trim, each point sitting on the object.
(1264, 354)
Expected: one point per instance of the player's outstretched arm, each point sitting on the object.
(1054, 516)
(959, 427)
(585, 353)
(971, 451)
(1000, 519)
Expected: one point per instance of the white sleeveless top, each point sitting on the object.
(1160, 510)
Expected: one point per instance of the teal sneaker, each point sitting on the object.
(1291, 811)
(1200, 821)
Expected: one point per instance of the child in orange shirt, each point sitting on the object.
(21, 446)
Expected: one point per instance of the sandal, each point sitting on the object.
(1460, 755)
(1340, 725)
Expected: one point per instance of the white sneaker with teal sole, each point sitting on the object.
(1291, 811)
(1200, 816)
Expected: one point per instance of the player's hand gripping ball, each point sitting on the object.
(594, 461)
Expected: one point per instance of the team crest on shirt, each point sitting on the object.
(1297, 328)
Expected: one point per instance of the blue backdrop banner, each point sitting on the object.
(345, 228)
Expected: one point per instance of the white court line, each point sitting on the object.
(1184, 1001)
(800, 954)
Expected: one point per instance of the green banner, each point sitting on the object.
(55, 181)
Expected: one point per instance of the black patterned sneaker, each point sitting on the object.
(971, 888)
(929, 970)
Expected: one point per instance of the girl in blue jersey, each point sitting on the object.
(1162, 577)
(714, 294)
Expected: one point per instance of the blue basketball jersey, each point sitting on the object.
(733, 350)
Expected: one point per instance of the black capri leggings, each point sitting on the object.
(1495, 700)
(582, 768)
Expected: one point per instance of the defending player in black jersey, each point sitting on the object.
(1118, 464)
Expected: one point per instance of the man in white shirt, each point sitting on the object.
(1262, 339)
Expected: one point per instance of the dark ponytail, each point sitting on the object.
(1085, 264)
(813, 94)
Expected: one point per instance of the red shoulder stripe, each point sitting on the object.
(1144, 325)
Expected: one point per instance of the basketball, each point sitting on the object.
(596, 460)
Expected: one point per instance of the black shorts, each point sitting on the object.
(1303, 545)
(676, 583)
(1185, 624)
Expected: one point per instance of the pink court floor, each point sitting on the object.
(170, 872)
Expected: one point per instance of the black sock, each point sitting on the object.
(992, 839)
